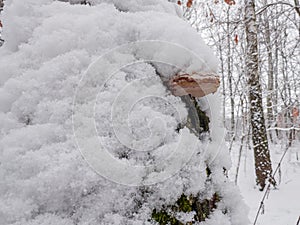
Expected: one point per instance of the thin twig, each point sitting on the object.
(277, 3)
(269, 185)
(298, 222)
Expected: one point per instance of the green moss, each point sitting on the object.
(186, 204)
(164, 219)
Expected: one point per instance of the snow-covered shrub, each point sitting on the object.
(45, 98)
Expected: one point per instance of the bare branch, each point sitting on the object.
(296, 6)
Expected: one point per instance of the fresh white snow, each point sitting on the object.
(56, 102)
(73, 76)
(282, 206)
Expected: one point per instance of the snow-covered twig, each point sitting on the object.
(283, 129)
(276, 3)
(261, 206)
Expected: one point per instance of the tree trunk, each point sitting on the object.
(220, 49)
(230, 78)
(1, 8)
(267, 34)
(276, 47)
(263, 167)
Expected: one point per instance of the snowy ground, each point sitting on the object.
(282, 207)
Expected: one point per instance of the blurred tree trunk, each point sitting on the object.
(263, 167)
(276, 60)
(1, 8)
(270, 69)
(220, 49)
(230, 77)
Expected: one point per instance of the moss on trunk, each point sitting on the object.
(201, 208)
(198, 123)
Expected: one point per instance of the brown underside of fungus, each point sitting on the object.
(195, 84)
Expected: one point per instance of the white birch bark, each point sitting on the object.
(263, 166)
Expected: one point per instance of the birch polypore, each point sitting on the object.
(195, 84)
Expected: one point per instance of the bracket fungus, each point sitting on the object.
(195, 84)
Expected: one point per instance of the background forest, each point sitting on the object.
(223, 25)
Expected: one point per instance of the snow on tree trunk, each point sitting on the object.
(263, 167)
(90, 80)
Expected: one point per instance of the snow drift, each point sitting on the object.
(49, 47)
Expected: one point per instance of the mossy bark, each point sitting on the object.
(198, 123)
(197, 120)
(201, 208)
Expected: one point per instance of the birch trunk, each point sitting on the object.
(275, 100)
(263, 167)
(270, 68)
(230, 78)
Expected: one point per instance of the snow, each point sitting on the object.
(86, 77)
(282, 204)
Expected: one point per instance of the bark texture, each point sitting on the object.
(263, 166)
(198, 123)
